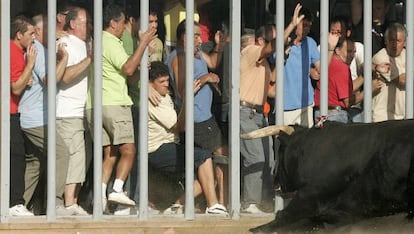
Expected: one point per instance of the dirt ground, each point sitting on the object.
(388, 224)
(397, 224)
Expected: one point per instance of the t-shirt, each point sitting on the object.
(203, 99)
(339, 84)
(129, 42)
(114, 83)
(161, 123)
(358, 60)
(17, 64)
(71, 98)
(157, 54)
(254, 75)
(298, 91)
(33, 104)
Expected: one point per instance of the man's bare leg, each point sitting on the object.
(221, 173)
(109, 160)
(126, 161)
(206, 178)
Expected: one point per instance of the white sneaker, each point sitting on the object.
(252, 209)
(19, 210)
(77, 210)
(217, 209)
(121, 211)
(62, 211)
(174, 209)
(120, 198)
(153, 211)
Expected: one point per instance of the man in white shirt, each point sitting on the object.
(71, 100)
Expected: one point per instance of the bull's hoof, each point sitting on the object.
(265, 228)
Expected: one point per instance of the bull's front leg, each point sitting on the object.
(297, 214)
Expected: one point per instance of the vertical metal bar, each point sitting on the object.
(409, 60)
(367, 60)
(5, 112)
(235, 27)
(189, 111)
(280, 50)
(51, 130)
(97, 110)
(324, 30)
(280, 25)
(143, 132)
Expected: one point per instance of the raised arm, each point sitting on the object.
(296, 19)
(131, 65)
(214, 58)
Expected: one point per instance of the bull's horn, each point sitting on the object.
(268, 131)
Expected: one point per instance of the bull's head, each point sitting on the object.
(268, 131)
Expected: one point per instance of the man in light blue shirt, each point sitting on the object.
(298, 89)
(33, 111)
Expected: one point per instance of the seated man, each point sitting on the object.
(164, 151)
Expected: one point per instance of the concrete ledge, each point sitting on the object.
(131, 224)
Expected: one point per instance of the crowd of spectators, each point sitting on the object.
(124, 46)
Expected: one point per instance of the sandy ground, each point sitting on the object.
(397, 224)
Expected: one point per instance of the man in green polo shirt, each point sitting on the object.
(118, 133)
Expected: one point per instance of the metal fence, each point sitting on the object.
(234, 164)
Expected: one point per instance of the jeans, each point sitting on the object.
(341, 116)
(254, 152)
(356, 115)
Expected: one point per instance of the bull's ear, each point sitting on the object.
(268, 131)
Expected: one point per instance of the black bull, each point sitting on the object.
(342, 173)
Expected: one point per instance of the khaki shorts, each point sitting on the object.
(72, 131)
(118, 127)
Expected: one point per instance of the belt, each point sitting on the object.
(257, 108)
(332, 108)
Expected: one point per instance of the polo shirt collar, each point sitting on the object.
(112, 36)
